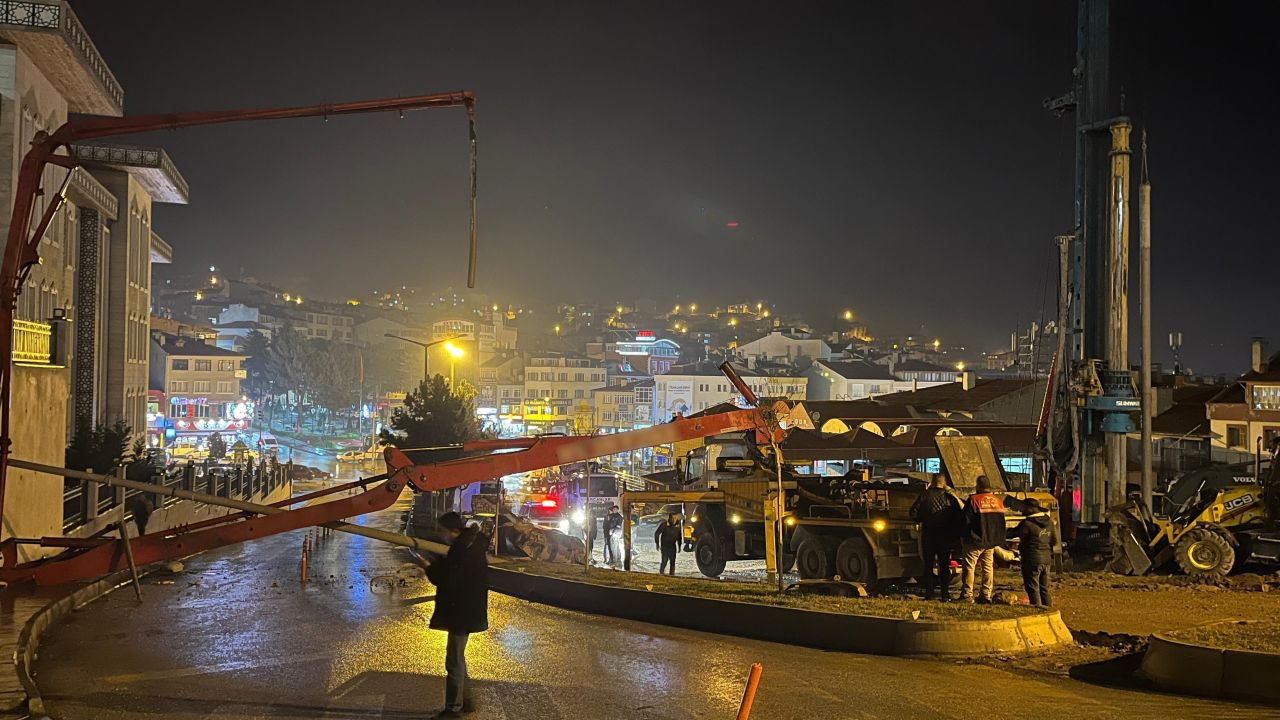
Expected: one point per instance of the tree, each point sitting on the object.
(287, 365)
(392, 367)
(257, 381)
(217, 446)
(99, 447)
(433, 416)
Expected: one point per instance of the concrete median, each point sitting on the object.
(1185, 667)
(794, 626)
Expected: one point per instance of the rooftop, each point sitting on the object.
(953, 396)
(188, 347)
(857, 369)
(1270, 370)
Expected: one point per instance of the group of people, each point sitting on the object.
(667, 537)
(972, 531)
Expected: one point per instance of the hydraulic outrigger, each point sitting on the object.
(83, 559)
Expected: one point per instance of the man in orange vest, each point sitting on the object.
(984, 532)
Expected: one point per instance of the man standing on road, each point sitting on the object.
(462, 604)
(1037, 537)
(938, 512)
(983, 531)
(667, 538)
(613, 537)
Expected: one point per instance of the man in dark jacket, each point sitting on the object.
(1037, 537)
(667, 537)
(613, 536)
(938, 512)
(984, 530)
(462, 604)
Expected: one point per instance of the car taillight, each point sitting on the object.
(549, 503)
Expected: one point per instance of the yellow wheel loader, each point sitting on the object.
(1206, 523)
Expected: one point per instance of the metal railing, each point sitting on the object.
(32, 342)
(83, 501)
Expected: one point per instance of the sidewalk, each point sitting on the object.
(17, 605)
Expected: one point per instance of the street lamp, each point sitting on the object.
(455, 352)
(426, 350)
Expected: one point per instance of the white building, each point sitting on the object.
(783, 346)
(691, 389)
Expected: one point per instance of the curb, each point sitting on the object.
(1212, 672)
(792, 626)
(46, 617)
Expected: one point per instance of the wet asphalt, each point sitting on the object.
(236, 635)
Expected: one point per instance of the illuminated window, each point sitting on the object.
(179, 365)
(1266, 397)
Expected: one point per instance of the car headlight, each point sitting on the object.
(578, 516)
(564, 526)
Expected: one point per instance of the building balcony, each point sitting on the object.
(52, 36)
(32, 343)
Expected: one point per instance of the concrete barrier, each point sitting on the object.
(793, 626)
(1185, 667)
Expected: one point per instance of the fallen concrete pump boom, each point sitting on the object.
(98, 556)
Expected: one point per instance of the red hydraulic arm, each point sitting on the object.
(91, 558)
(22, 245)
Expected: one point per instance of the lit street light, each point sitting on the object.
(426, 352)
(455, 352)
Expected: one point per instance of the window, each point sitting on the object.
(226, 365)
(515, 393)
(607, 416)
(201, 386)
(204, 365)
(564, 377)
(578, 377)
(1266, 397)
(1236, 437)
(577, 393)
(562, 394)
(179, 386)
(178, 364)
(1269, 437)
(225, 387)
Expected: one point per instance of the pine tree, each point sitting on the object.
(432, 416)
(287, 365)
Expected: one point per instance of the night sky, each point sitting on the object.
(889, 157)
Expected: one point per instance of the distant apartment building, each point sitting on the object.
(201, 386)
(783, 346)
(692, 388)
(619, 408)
(500, 393)
(557, 392)
(649, 352)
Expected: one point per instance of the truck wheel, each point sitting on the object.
(854, 561)
(1204, 552)
(813, 559)
(706, 552)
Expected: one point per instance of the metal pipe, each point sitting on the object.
(1117, 336)
(111, 480)
(1144, 241)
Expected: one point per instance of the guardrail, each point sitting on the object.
(83, 501)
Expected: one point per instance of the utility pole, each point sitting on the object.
(1148, 411)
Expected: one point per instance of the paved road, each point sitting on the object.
(236, 637)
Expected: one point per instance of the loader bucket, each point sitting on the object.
(1129, 553)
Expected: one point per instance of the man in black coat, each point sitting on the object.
(1037, 537)
(939, 515)
(613, 536)
(668, 537)
(462, 604)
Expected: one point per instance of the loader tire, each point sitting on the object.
(1203, 552)
(814, 560)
